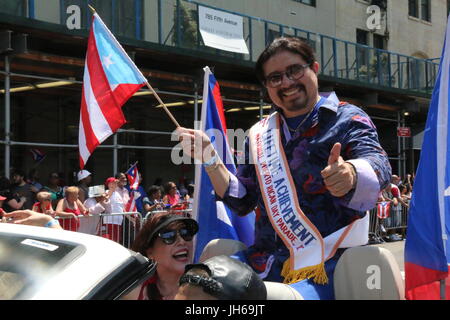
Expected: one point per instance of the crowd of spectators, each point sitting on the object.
(69, 202)
(398, 195)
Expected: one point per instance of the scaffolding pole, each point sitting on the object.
(7, 118)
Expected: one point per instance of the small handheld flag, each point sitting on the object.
(133, 177)
(110, 79)
(383, 209)
(37, 155)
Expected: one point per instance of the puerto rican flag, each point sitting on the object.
(427, 250)
(133, 180)
(133, 177)
(37, 155)
(216, 220)
(131, 204)
(110, 79)
(383, 209)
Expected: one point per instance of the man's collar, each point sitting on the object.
(331, 101)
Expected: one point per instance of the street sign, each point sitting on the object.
(404, 132)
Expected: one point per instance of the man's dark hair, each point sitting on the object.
(291, 44)
(119, 174)
(18, 172)
(5, 184)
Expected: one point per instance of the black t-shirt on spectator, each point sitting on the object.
(25, 191)
(9, 196)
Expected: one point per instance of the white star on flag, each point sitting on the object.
(107, 61)
(447, 192)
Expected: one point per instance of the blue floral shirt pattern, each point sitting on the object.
(307, 151)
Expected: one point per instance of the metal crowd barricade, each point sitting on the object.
(375, 234)
(119, 227)
(397, 220)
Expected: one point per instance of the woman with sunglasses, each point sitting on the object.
(167, 240)
(172, 196)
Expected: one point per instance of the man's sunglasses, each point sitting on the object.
(169, 236)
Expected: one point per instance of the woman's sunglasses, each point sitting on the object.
(169, 237)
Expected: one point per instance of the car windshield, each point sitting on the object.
(25, 262)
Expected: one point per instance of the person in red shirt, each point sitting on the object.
(172, 196)
(69, 208)
(392, 193)
(44, 204)
(396, 196)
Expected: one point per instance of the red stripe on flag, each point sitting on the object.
(219, 105)
(125, 91)
(91, 140)
(110, 107)
(423, 283)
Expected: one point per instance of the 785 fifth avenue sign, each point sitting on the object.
(222, 30)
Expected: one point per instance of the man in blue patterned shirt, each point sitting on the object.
(337, 164)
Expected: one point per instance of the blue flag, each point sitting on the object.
(215, 219)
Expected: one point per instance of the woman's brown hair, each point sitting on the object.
(142, 241)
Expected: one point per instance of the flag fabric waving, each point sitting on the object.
(37, 155)
(383, 209)
(215, 219)
(110, 79)
(131, 204)
(427, 254)
(133, 179)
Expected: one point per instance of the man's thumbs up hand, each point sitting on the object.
(335, 155)
(339, 176)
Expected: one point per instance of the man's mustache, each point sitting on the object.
(297, 86)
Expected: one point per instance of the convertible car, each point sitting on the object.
(50, 264)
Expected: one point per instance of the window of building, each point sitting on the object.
(119, 15)
(425, 10)
(379, 42)
(420, 9)
(126, 18)
(413, 8)
(308, 2)
(362, 37)
(14, 7)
